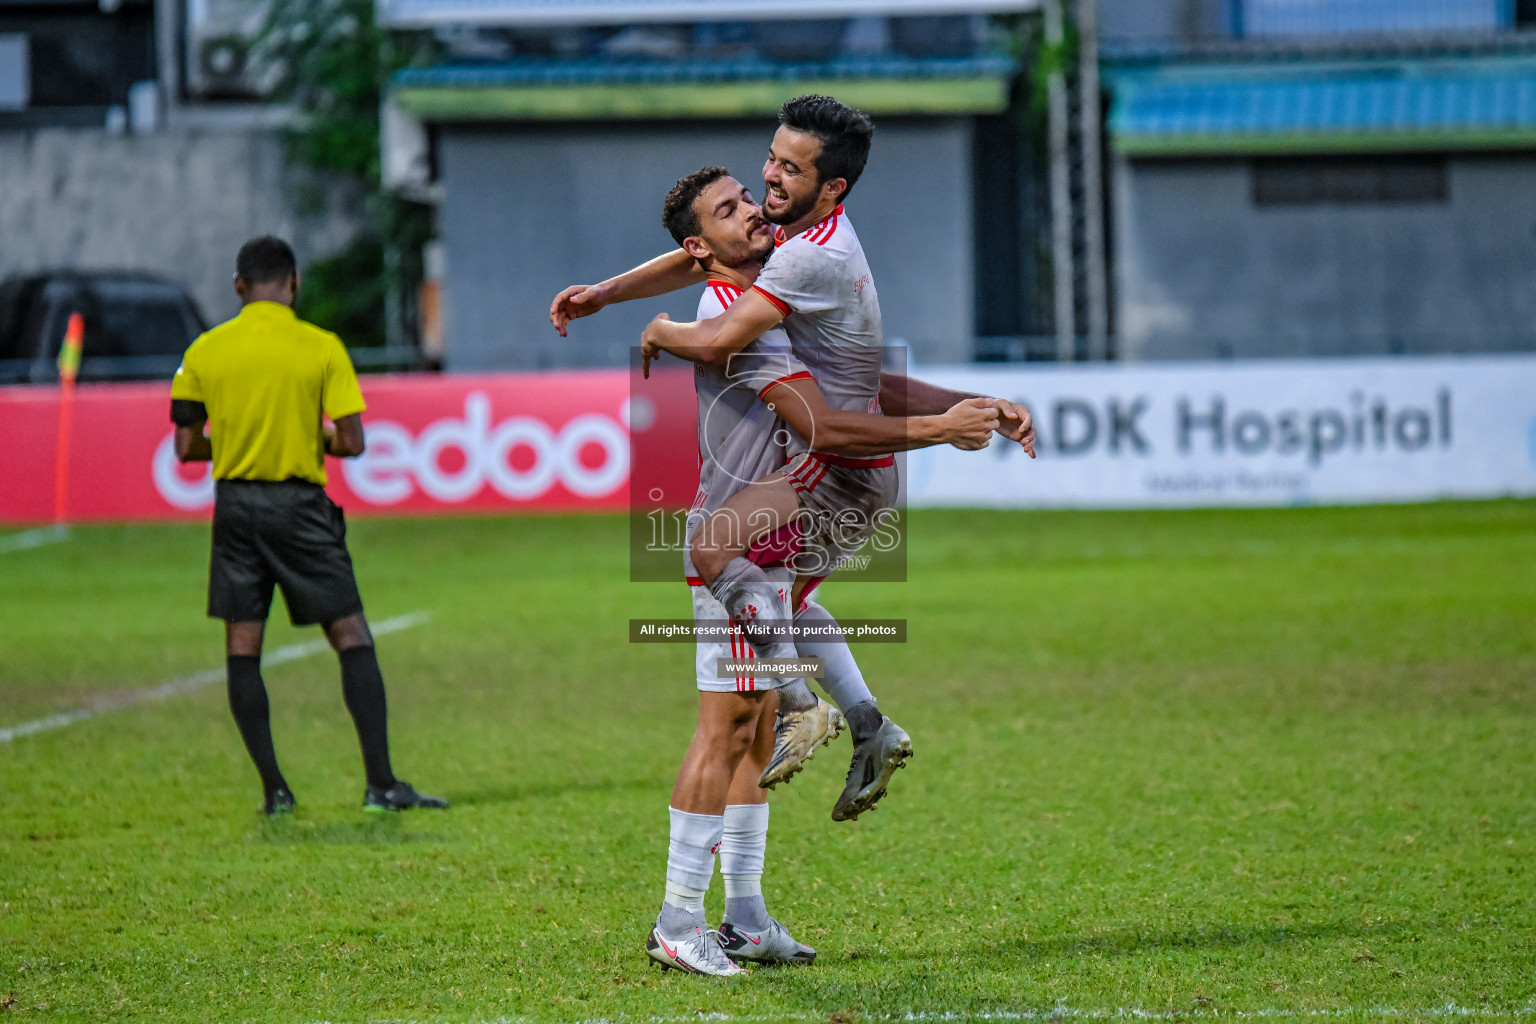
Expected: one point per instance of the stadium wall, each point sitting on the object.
(1172, 435)
(1205, 270)
(178, 202)
(531, 209)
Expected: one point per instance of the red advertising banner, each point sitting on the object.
(436, 444)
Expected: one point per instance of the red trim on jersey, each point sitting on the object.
(726, 292)
(822, 239)
(694, 581)
(777, 302)
(855, 461)
(801, 472)
(735, 655)
(779, 238)
(808, 475)
(800, 375)
(810, 588)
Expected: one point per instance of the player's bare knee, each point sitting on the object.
(243, 639)
(708, 558)
(349, 632)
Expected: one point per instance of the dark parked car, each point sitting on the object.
(136, 325)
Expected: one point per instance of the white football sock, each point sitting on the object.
(743, 849)
(690, 863)
(844, 682)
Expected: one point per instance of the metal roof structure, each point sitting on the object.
(604, 89)
(417, 13)
(1176, 109)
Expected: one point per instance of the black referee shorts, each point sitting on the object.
(290, 534)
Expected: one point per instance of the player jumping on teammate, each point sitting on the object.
(819, 286)
(717, 802)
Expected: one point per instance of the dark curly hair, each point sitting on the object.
(677, 211)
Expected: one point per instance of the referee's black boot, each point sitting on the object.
(399, 797)
(279, 801)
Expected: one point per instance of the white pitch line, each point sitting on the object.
(1449, 1010)
(196, 681)
(26, 540)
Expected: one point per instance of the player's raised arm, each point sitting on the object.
(907, 396)
(666, 273)
(711, 341)
(967, 424)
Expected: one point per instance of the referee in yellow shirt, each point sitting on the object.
(261, 383)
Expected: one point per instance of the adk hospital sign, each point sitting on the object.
(1252, 433)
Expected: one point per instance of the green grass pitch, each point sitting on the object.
(1184, 763)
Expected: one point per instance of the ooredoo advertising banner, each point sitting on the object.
(545, 441)
(1277, 432)
(1172, 434)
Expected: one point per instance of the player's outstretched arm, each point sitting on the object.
(711, 341)
(665, 273)
(968, 424)
(907, 396)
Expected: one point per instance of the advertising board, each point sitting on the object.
(1277, 432)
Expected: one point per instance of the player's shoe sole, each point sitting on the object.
(773, 945)
(874, 762)
(798, 735)
(679, 956)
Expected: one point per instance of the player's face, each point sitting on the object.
(732, 224)
(790, 180)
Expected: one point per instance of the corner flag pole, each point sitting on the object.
(69, 369)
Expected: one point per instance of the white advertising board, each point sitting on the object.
(1246, 433)
(624, 12)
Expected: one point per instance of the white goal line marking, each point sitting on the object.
(1122, 1013)
(196, 681)
(26, 540)
(1449, 1010)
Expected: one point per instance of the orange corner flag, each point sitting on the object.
(69, 352)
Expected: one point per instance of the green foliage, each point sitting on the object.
(345, 293)
(336, 62)
(1188, 763)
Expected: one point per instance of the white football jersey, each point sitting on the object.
(821, 282)
(740, 438)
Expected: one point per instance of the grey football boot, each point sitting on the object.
(772, 945)
(698, 952)
(874, 762)
(797, 735)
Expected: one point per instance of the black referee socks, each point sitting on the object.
(362, 685)
(248, 702)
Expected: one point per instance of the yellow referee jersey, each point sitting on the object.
(265, 377)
